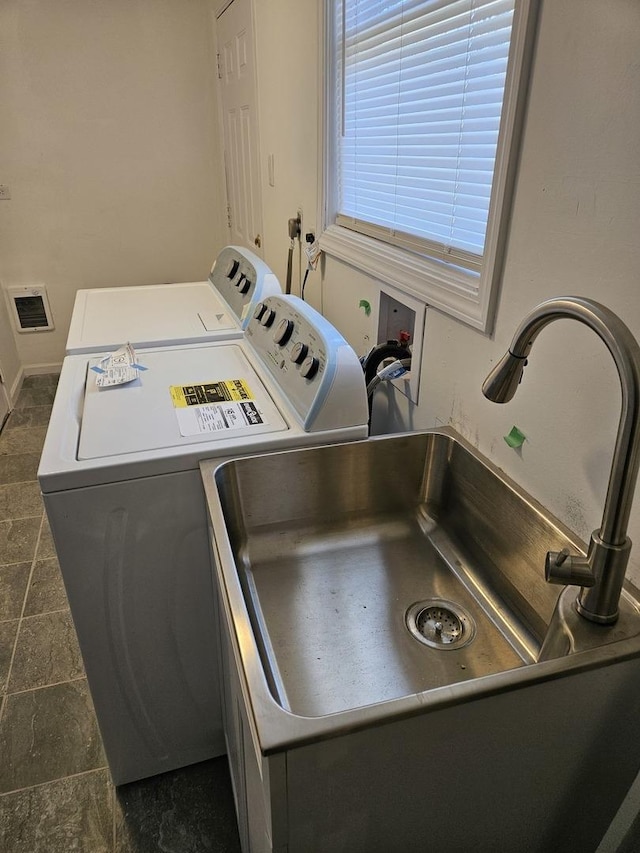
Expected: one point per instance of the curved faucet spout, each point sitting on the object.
(602, 573)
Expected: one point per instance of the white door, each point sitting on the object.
(9, 359)
(4, 400)
(239, 107)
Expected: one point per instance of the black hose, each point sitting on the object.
(289, 269)
(304, 284)
(390, 349)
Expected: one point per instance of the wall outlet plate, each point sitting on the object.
(398, 312)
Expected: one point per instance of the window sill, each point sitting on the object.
(450, 289)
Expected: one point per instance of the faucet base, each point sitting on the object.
(599, 603)
(569, 633)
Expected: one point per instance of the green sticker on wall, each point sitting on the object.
(515, 437)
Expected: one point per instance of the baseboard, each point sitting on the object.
(39, 369)
(29, 370)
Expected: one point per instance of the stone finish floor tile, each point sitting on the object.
(47, 652)
(13, 586)
(32, 416)
(20, 500)
(29, 397)
(47, 734)
(18, 539)
(46, 548)
(8, 632)
(41, 380)
(62, 816)
(19, 467)
(29, 440)
(185, 811)
(46, 590)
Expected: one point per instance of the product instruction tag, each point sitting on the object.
(214, 406)
(118, 368)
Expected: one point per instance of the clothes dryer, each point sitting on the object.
(165, 314)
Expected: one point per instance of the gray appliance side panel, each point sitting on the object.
(136, 566)
(538, 769)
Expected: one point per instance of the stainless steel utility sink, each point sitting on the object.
(349, 541)
(394, 588)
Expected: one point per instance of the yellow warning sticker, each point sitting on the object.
(210, 392)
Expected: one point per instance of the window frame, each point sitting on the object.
(468, 296)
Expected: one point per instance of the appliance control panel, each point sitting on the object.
(242, 279)
(311, 363)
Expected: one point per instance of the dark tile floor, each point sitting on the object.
(55, 790)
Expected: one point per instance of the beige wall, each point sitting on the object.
(109, 146)
(287, 49)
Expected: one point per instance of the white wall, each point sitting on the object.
(287, 59)
(109, 146)
(574, 231)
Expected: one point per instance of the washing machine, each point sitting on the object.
(161, 314)
(123, 493)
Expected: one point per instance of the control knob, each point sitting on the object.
(243, 284)
(299, 352)
(267, 318)
(284, 331)
(233, 268)
(309, 367)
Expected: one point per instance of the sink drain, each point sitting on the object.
(440, 624)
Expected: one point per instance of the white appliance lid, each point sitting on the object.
(184, 396)
(113, 316)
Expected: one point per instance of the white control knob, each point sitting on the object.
(309, 367)
(299, 352)
(284, 331)
(233, 268)
(243, 284)
(268, 317)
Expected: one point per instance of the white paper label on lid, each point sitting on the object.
(118, 368)
(214, 406)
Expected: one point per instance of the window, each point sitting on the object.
(422, 108)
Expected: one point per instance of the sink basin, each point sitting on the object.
(329, 572)
(394, 588)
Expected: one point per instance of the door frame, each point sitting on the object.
(5, 402)
(222, 7)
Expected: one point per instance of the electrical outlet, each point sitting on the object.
(5, 192)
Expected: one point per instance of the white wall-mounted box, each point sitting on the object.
(397, 313)
(29, 305)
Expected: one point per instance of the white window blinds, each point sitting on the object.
(418, 104)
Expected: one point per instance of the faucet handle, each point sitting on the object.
(562, 567)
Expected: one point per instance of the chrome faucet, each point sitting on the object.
(601, 574)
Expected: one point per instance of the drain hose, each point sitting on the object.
(392, 371)
(390, 349)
